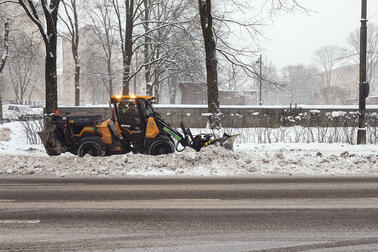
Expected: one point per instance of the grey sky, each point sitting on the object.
(295, 38)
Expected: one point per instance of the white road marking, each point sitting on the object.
(19, 221)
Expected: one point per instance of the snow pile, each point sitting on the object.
(212, 160)
(338, 114)
(5, 134)
(19, 158)
(17, 144)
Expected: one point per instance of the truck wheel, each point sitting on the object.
(92, 146)
(52, 153)
(161, 147)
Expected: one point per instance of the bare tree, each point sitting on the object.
(275, 88)
(372, 51)
(302, 84)
(218, 37)
(239, 28)
(102, 16)
(3, 61)
(147, 44)
(133, 11)
(170, 46)
(211, 61)
(333, 95)
(48, 30)
(94, 76)
(23, 65)
(71, 21)
(188, 60)
(159, 29)
(328, 57)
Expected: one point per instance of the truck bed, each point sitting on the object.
(84, 120)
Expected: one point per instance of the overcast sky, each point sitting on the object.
(295, 38)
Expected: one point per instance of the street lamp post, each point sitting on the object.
(363, 85)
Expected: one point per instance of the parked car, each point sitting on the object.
(21, 112)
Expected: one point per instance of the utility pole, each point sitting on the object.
(259, 61)
(363, 85)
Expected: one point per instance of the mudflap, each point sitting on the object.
(228, 141)
(50, 142)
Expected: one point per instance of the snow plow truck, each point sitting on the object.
(135, 127)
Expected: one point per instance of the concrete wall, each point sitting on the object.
(234, 116)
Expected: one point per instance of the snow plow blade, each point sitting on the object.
(49, 142)
(228, 141)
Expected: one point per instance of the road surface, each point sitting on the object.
(189, 214)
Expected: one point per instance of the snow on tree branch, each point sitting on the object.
(32, 13)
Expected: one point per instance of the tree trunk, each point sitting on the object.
(51, 84)
(211, 62)
(147, 45)
(75, 54)
(126, 75)
(2, 64)
(22, 94)
(172, 89)
(1, 107)
(156, 91)
(6, 46)
(110, 74)
(77, 84)
(30, 95)
(111, 87)
(76, 40)
(48, 31)
(51, 80)
(172, 98)
(128, 53)
(135, 81)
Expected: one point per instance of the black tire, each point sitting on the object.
(92, 146)
(161, 147)
(52, 153)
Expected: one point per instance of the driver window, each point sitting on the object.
(129, 112)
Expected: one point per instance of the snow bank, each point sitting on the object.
(17, 144)
(5, 134)
(18, 158)
(213, 160)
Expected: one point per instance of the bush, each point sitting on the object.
(332, 127)
(31, 129)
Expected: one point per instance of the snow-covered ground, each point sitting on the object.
(19, 158)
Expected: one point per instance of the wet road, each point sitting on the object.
(189, 214)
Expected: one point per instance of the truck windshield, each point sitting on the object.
(128, 112)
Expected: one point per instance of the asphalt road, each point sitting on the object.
(189, 214)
